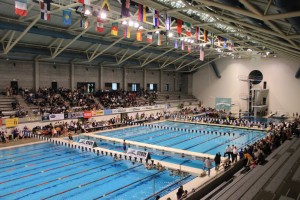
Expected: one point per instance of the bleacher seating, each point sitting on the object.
(267, 179)
(172, 97)
(6, 105)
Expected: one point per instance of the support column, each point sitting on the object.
(124, 78)
(101, 77)
(145, 79)
(36, 75)
(175, 80)
(72, 82)
(160, 80)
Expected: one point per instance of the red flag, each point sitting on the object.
(205, 35)
(179, 26)
(197, 34)
(100, 25)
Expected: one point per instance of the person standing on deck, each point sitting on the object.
(228, 151)
(207, 164)
(124, 146)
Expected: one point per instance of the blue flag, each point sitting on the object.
(67, 17)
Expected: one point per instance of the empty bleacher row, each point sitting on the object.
(6, 105)
(280, 175)
(173, 97)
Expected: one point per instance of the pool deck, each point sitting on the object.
(195, 183)
(220, 125)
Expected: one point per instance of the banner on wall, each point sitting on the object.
(56, 117)
(223, 104)
(107, 112)
(87, 143)
(87, 114)
(137, 109)
(75, 115)
(11, 122)
(97, 112)
(45, 118)
(0, 122)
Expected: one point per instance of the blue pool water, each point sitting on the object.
(47, 171)
(211, 139)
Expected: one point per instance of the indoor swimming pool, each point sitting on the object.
(191, 137)
(47, 171)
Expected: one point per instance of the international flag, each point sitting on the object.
(201, 53)
(188, 28)
(189, 48)
(105, 5)
(142, 13)
(197, 34)
(219, 41)
(127, 31)
(159, 38)
(230, 45)
(67, 17)
(212, 40)
(149, 37)
(45, 10)
(125, 8)
(182, 45)
(156, 18)
(225, 43)
(179, 26)
(139, 35)
(21, 7)
(168, 22)
(114, 29)
(205, 35)
(100, 25)
(176, 44)
(84, 2)
(84, 23)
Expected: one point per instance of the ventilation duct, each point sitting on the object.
(216, 70)
(297, 75)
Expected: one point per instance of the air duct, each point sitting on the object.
(216, 70)
(297, 75)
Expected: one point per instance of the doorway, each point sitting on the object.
(14, 86)
(54, 86)
(86, 87)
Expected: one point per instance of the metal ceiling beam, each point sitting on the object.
(107, 48)
(138, 51)
(144, 64)
(167, 64)
(204, 64)
(57, 52)
(187, 64)
(273, 26)
(8, 48)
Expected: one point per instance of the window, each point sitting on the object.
(114, 86)
(134, 87)
(151, 87)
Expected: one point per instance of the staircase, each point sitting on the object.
(23, 104)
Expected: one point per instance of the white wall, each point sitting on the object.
(279, 73)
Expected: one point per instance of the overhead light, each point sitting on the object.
(136, 24)
(141, 27)
(87, 10)
(157, 32)
(267, 52)
(130, 23)
(124, 22)
(185, 39)
(188, 40)
(192, 41)
(181, 39)
(103, 15)
(249, 49)
(170, 34)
